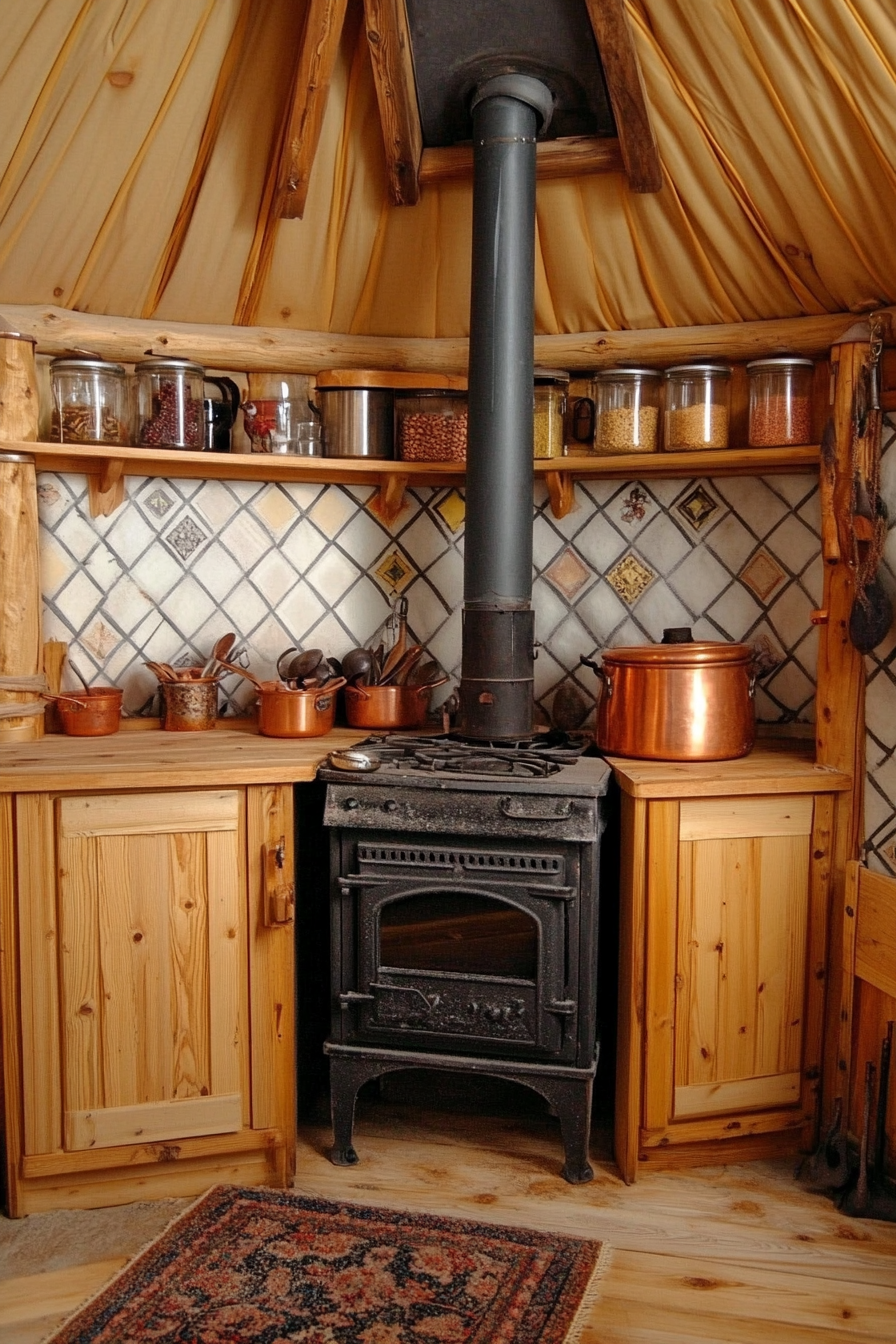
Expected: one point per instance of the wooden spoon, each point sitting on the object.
(221, 649)
(423, 672)
(396, 675)
(249, 676)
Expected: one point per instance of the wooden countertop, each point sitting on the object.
(156, 759)
(773, 766)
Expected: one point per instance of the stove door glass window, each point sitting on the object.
(466, 934)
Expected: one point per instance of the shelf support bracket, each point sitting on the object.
(106, 490)
(562, 492)
(388, 502)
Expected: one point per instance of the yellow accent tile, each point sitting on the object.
(630, 577)
(276, 509)
(453, 509)
(396, 571)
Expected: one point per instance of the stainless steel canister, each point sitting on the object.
(357, 419)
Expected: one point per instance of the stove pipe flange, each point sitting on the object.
(497, 667)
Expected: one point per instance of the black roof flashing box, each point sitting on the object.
(457, 47)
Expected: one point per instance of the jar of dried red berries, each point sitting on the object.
(780, 401)
(170, 413)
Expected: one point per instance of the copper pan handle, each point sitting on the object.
(602, 674)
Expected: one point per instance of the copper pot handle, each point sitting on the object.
(601, 672)
(322, 699)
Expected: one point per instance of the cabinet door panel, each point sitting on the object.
(150, 956)
(742, 944)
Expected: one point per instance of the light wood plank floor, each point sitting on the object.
(716, 1255)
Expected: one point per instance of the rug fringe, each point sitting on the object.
(104, 1287)
(590, 1295)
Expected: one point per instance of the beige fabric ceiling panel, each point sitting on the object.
(136, 139)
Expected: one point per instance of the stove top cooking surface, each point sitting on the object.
(554, 761)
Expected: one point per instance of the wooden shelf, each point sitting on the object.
(107, 468)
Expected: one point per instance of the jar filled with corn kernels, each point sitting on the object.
(698, 400)
(626, 410)
(90, 401)
(780, 401)
(549, 409)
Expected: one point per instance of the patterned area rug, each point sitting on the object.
(277, 1268)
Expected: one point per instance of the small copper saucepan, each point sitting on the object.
(287, 713)
(387, 706)
(689, 701)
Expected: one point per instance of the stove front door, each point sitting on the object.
(460, 947)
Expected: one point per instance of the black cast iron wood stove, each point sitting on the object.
(464, 900)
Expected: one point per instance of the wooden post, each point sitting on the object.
(840, 696)
(19, 405)
(21, 672)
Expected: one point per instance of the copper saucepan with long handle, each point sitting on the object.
(690, 701)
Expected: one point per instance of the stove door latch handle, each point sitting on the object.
(563, 1007)
(352, 996)
(512, 807)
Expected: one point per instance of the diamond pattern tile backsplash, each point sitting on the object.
(182, 562)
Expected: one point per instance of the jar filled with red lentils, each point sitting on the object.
(780, 401)
(626, 410)
(431, 425)
(698, 400)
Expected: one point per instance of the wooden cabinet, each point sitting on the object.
(723, 932)
(149, 1030)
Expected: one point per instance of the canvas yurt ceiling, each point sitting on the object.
(141, 141)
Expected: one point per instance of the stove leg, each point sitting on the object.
(346, 1077)
(571, 1102)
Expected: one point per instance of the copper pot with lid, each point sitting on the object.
(681, 700)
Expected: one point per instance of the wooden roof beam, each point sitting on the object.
(389, 37)
(625, 85)
(569, 156)
(324, 22)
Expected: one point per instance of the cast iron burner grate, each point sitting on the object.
(531, 758)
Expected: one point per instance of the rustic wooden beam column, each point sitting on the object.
(21, 673)
(840, 696)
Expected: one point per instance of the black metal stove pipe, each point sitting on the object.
(498, 635)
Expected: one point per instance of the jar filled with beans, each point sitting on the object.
(698, 400)
(549, 409)
(170, 413)
(90, 401)
(626, 410)
(431, 425)
(780, 401)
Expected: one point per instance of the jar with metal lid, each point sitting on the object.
(90, 401)
(626, 410)
(431, 425)
(698, 399)
(549, 408)
(170, 413)
(780, 401)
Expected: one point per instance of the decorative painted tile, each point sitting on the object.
(185, 538)
(697, 507)
(630, 578)
(99, 639)
(633, 507)
(767, 656)
(762, 574)
(395, 570)
(568, 573)
(453, 509)
(159, 502)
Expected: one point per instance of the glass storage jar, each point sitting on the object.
(90, 401)
(170, 413)
(431, 425)
(780, 401)
(698, 398)
(549, 408)
(626, 410)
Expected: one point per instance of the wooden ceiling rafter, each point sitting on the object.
(389, 39)
(324, 22)
(625, 85)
